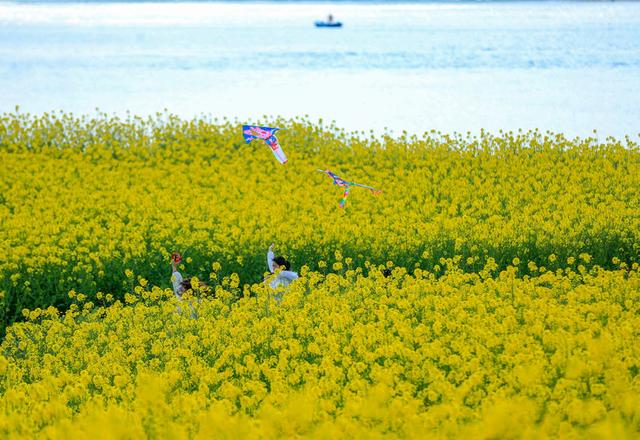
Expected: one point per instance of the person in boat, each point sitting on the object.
(330, 19)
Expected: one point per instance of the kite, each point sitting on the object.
(347, 186)
(268, 135)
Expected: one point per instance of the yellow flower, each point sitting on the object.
(585, 257)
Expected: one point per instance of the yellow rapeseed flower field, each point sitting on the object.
(491, 291)
(340, 356)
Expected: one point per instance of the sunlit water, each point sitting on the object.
(569, 67)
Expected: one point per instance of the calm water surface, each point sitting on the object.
(564, 66)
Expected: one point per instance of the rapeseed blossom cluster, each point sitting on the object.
(491, 291)
(84, 201)
(340, 356)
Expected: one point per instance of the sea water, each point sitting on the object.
(568, 67)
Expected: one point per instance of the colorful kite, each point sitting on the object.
(347, 186)
(268, 135)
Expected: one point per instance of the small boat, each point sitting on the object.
(332, 24)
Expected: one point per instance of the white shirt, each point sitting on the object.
(176, 280)
(283, 278)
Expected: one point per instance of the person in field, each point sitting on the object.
(279, 266)
(180, 285)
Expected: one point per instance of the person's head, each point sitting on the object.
(280, 263)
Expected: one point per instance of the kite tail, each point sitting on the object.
(344, 196)
(276, 149)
